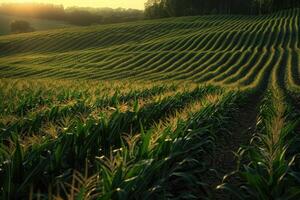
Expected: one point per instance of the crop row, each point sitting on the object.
(231, 50)
(121, 147)
(269, 166)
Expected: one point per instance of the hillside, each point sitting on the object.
(219, 49)
(37, 24)
(153, 110)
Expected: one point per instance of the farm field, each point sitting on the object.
(153, 110)
(37, 24)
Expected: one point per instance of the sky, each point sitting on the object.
(138, 4)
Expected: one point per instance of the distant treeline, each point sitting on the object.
(153, 9)
(75, 15)
(174, 8)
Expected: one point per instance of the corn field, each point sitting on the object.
(203, 107)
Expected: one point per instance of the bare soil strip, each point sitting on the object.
(224, 160)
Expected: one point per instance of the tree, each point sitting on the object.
(73, 15)
(174, 8)
(155, 9)
(83, 18)
(20, 26)
(264, 6)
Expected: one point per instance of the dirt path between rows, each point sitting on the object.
(224, 160)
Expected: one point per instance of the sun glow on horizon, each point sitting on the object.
(137, 4)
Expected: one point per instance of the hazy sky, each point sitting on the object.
(139, 4)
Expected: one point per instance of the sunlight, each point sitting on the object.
(137, 4)
(181, 99)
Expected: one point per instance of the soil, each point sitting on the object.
(224, 160)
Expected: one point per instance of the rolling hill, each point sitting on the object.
(217, 49)
(153, 110)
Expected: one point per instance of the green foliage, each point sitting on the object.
(171, 8)
(237, 51)
(136, 140)
(270, 171)
(113, 156)
(21, 26)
